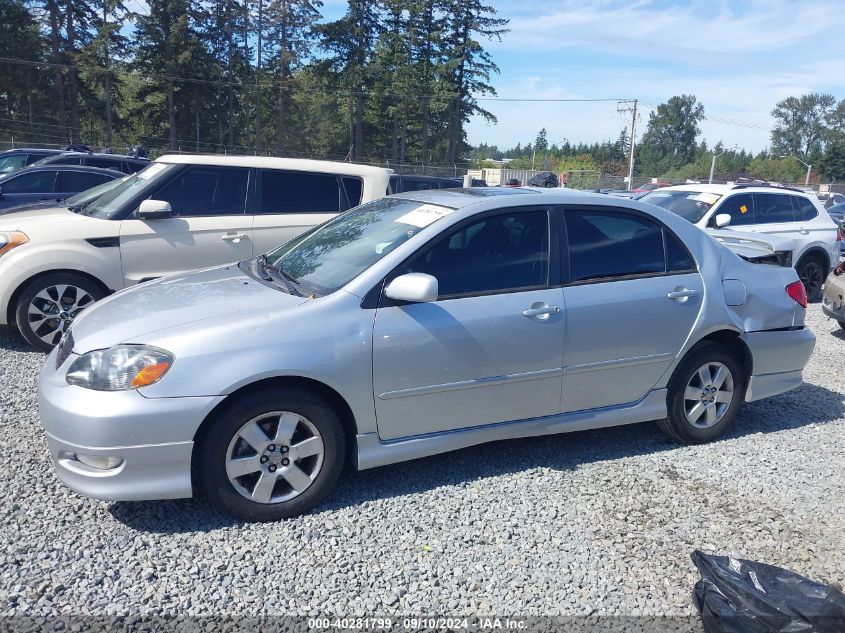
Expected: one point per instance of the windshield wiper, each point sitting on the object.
(275, 274)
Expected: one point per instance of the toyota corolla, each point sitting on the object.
(409, 326)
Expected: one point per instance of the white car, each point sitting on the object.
(181, 213)
(760, 208)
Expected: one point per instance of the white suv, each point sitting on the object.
(768, 209)
(181, 213)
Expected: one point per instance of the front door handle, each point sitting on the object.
(233, 237)
(682, 294)
(541, 310)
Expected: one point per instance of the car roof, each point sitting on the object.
(272, 162)
(82, 168)
(461, 197)
(29, 150)
(738, 187)
(104, 155)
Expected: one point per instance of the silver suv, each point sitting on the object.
(760, 208)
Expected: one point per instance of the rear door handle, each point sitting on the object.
(541, 311)
(233, 237)
(682, 294)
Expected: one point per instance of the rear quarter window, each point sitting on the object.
(804, 209)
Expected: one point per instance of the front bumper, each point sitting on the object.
(151, 438)
(778, 359)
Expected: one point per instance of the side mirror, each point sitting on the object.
(722, 219)
(154, 209)
(413, 287)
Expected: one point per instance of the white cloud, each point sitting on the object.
(737, 59)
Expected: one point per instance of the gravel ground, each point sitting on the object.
(598, 522)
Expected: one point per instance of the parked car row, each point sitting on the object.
(384, 328)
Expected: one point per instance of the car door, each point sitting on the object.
(210, 224)
(289, 203)
(774, 213)
(490, 349)
(632, 297)
(28, 186)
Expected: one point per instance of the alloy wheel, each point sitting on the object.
(53, 309)
(708, 395)
(812, 276)
(274, 457)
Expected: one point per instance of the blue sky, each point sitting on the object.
(738, 58)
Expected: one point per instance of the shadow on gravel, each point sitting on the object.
(12, 341)
(809, 404)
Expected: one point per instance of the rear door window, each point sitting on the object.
(740, 207)
(609, 244)
(300, 192)
(106, 163)
(770, 208)
(36, 182)
(206, 191)
(77, 181)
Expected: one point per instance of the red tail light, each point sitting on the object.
(840, 233)
(796, 291)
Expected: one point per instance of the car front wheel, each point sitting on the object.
(48, 305)
(273, 455)
(704, 394)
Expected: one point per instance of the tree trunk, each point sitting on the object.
(55, 46)
(282, 118)
(259, 132)
(108, 75)
(171, 115)
(73, 88)
(231, 138)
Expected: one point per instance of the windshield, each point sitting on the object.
(112, 201)
(80, 200)
(12, 163)
(332, 254)
(690, 205)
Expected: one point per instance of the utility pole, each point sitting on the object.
(108, 73)
(620, 108)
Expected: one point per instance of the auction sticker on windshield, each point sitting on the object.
(424, 215)
(706, 198)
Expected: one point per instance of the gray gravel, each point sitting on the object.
(598, 522)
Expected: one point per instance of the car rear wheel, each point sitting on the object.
(48, 305)
(811, 272)
(271, 455)
(704, 394)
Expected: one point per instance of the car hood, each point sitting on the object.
(19, 219)
(746, 244)
(135, 314)
(31, 206)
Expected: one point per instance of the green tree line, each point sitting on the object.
(810, 128)
(389, 80)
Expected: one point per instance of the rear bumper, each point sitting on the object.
(778, 359)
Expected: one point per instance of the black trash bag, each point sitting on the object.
(742, 596)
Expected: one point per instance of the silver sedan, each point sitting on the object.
(410, 326)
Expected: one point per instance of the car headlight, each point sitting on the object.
(11, 239)
(119, 368)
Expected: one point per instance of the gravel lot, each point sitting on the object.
(598, 522)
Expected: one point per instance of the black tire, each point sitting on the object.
(677, 426)
(214, 446)
(811, 271)
(45, 334)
